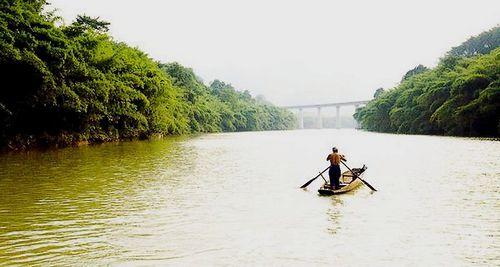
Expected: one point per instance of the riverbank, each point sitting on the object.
(459, 97)
(56, 142)
(73, 84)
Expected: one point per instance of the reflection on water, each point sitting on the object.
(334, 214)
(233, 199)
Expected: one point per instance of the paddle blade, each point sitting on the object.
(309, 182)
(367, 184)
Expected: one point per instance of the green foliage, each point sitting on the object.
(478, 45)
(417, 70)
(67, 84)
(220, 107)
(378, 92)
(461, 96)
(95, 24)
(84, 23)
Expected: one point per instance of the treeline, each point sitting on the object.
(63, 85)
(460, 96)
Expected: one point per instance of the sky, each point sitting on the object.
(294, 52)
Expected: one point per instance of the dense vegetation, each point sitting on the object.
(461, 96)
(63, 85)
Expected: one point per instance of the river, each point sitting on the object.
(233, 199)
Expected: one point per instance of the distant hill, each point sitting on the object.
(74, 84)
(461, 96)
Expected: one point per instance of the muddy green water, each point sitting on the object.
(233, 199)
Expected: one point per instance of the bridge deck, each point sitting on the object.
(351, 103)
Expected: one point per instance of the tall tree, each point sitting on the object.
(478, 45)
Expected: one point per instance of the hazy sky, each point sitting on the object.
(294, 52)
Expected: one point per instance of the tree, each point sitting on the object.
(66, 84)
(417, 70)
(378, 92)
(95, 24)
(478, 45)
(458, 97)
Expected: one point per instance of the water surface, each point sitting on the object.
(233, 199)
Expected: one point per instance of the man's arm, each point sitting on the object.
(342, 157)
(328, 157)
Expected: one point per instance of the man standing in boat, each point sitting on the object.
(334, 171)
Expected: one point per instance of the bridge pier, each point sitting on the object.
(301, 118)
(319, 120)
(356, 121)
(338, 124)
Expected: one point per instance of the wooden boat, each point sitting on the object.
(348, 182)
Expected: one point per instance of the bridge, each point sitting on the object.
(319, 120)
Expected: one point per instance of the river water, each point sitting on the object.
(233, 199)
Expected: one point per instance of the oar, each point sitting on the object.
(310, 181)
(357, 176)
